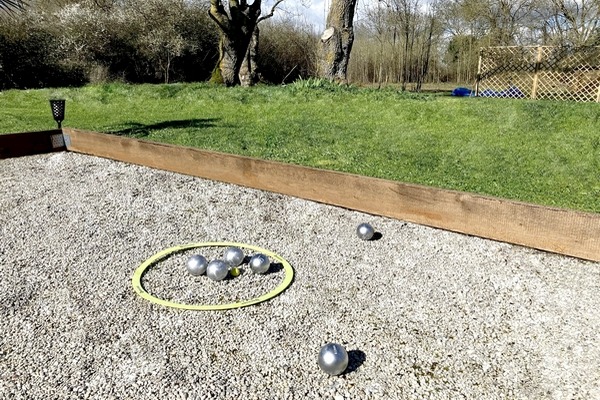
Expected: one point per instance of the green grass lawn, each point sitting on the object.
(535, 151)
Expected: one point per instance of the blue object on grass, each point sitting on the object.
(512, 91)
(461, 92)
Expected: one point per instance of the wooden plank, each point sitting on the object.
(30, 143)
(478, 78)
(552, 229)
(538, 60)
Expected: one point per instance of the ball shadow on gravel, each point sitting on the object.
(377, 236)
(275, 268)
(356, 358)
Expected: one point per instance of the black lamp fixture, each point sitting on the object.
(58, 111)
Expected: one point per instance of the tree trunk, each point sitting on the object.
(249, 70)
(336, 41)
(427, 55)
(237, 31)
(230, 60)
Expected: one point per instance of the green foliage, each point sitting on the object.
(542, 152)
(216, 77)
(321, 84)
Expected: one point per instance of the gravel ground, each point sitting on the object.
(424, 313)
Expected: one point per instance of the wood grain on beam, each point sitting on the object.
(556, 230)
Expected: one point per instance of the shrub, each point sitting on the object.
(30, 56)
(286, 51)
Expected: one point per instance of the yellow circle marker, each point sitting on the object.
(136, 281)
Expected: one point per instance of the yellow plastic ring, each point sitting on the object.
(136, 281)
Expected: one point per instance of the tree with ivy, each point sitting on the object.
(237, 22)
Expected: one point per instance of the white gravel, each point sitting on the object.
(424, 313)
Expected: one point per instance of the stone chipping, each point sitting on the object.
(424, 313)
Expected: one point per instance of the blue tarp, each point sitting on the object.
(461, 92)
(512, 91)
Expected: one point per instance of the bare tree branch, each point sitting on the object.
(270, 14)
(12, 5)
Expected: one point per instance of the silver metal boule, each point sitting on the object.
(259, 263)
(196, 265)
(333, 358)
(365, 231)
(233, 256)
(217, 270)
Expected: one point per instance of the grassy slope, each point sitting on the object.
(541, 152)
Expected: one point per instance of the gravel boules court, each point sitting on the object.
(422, 312)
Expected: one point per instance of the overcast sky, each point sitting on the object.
(311, 11)
(317, 13)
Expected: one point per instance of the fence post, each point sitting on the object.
(598, 96)
(478, 78)
(536, 73)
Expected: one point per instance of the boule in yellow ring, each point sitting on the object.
(136, 281)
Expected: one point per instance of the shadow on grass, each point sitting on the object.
(137, 129)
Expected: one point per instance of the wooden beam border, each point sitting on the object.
(30, 143)
(556, 230)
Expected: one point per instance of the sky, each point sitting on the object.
(311, 11)
(316, 12)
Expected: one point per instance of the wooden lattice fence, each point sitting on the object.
(540, 72)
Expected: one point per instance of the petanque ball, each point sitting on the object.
(333, 358)
(196, 265)
(365, 231)
(217, 270)
(259, 263)
(233, 256)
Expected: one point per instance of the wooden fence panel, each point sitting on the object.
(540, 72)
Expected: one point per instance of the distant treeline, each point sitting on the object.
(66, 43)
(408, 42)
